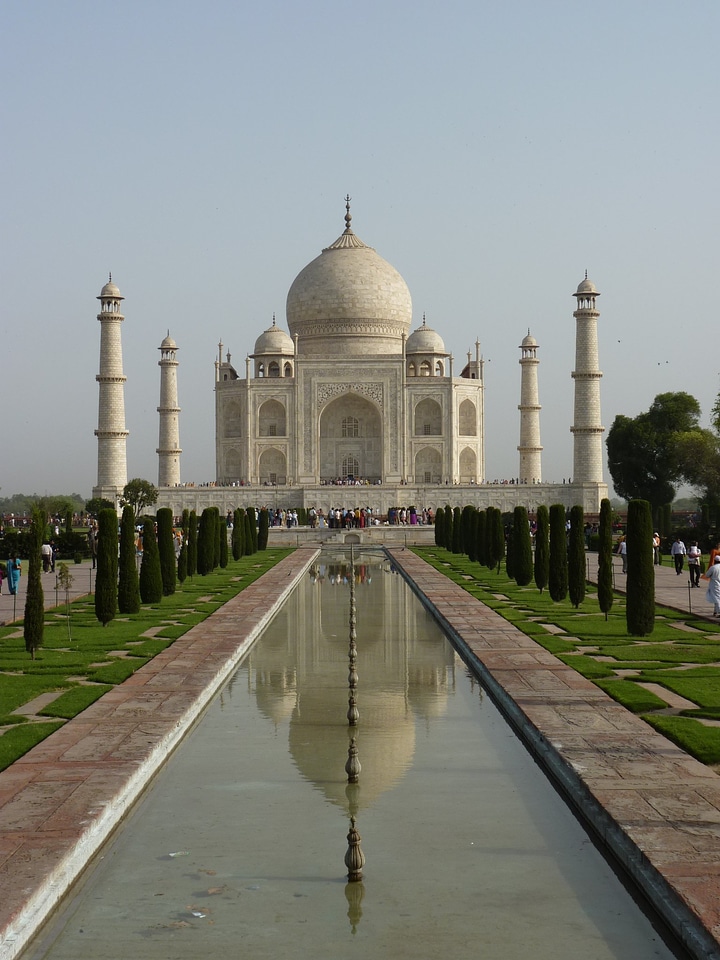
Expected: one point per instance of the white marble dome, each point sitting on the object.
(349, 301)
(274, 340)
(425, 340)
(110, 290)
(586, 287)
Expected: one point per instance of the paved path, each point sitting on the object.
(656, 807)
(60, 802)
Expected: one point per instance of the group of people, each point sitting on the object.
(678, 551)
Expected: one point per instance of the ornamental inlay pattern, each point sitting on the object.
(326, 391)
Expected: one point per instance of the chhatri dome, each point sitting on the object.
(274, 340)
(349, 301)
(425, 340)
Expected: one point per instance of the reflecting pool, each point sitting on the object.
(237, 849)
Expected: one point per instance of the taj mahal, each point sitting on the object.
(349, 396)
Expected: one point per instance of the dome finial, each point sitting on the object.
(423, 318)
(109, 278)
(586, 274)
(348, 215)
(273, 318)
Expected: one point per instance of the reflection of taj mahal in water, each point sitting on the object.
(351, 396)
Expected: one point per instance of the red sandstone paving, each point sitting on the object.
(666, 802)
(62, 786)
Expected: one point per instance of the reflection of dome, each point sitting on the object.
(349, 301)
(274, 340)
(424, 340)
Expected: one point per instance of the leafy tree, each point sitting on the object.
(151, 583)
(166, 550)
(640, 601)
(106, 580)
(264, 529)
(94, 506)
(576, 557)
(128, 583)
(182, 564)
(139, 494)
(192, 544)
(558, 575)
(644, 456)
(605, 581)
(34, 623)
(522, 546)
(541, 568)
(238, 534)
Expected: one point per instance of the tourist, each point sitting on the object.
(694, 553)
(14, 568)
(622, 550)
(678, 551)
(712, 575)
(656, 549)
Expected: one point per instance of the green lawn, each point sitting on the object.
(95, 658)
(686, 662)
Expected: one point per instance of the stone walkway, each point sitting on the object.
(60, 802)
(13, 607)
(656, 808)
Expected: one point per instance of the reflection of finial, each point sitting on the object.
(352, 767)
(348, 215)
(354, 893)
(353, 714)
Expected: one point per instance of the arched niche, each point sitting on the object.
(428, 419)
(233, 420)
(428, 465)
(467, 419)
(272, 466)
(271, 419)
(468, 465)
(233, 466)
(351, 426)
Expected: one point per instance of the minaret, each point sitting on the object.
(168, 449)
(587, 428)
(111, 432)
(529, 407)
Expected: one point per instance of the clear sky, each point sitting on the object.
(494, 151)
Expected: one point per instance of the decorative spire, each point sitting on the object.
(273, 318)
(109, 277)
(586, 274)
(348, 215)
(423, 318)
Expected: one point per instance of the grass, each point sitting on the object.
(106, 655)
(686, 662)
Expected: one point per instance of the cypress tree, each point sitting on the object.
(448, 527)
(238, 534)
(182, 564)
(166, 550)
(542, 548)
(250, 512)
(439, 527)
(68, 521)
(223, 543)
(192, 551)
(472, 535)
(497, 538)
(481, 538)
(456, 545)
(522, 547)
(558, 574)
(151, 583)
(466, 529)
(34, 622)
(106, 580)
(605, 581)
(640, 602)
(264, 530)
(248, 536)
(206, 542)
(576, 557)
(128, 584)
(219, 528)
(510, 554)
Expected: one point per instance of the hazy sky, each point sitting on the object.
(494, 151)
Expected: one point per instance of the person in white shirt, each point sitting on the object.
(694, 553)
(678, 551)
